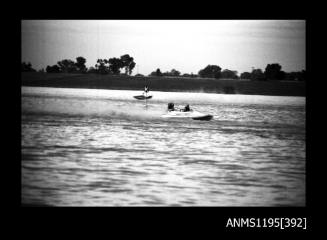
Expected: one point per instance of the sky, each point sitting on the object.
(185, 45)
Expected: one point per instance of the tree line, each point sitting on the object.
(103, 66)
(126, 63)
(272, 72)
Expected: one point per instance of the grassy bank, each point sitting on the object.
(275, 88)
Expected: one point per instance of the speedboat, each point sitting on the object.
(195, 115)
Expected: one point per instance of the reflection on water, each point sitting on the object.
(102, 147)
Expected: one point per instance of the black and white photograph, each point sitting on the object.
(163, 113)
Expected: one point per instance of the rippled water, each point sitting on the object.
(86, 147)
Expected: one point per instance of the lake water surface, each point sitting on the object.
(88, 147)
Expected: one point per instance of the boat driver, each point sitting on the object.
(187, 108)
(171, 107)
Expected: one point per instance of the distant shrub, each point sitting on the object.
(229, 74)
(245, 75)
(229, 90)
(27, 67)
(295, 76)
(157, 73)
(139, 75)
(91, 70)
(52, 69)
(189, 75)
(257, 75)
(210, 71)
(172, 73)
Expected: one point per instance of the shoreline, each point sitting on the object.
(164, 84)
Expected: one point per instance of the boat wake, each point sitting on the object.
(94, 108)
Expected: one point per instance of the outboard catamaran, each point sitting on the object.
(185, 113)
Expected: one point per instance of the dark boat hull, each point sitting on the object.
(203, 118)
(142, 97)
